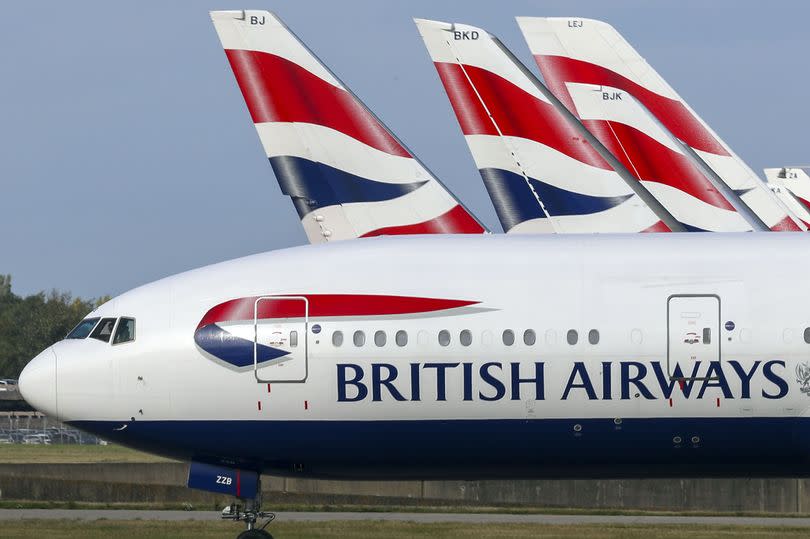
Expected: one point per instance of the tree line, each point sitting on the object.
(30, 324)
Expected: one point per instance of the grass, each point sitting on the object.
(72, 454)
(373, 529)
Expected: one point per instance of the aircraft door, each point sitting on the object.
(693, 331)
(280, 325)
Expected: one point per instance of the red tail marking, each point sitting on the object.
(259, 404)
(670, 402)
(517, 112)
(278, 90)
(660, 226)
(786, 225)
(454, 221)
(718, 402)
(306, 405)
(238, 483)
(268, 388)
(650, 160)
(557, 70)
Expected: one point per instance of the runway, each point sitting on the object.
(474, 518)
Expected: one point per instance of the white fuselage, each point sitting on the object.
(652, 355)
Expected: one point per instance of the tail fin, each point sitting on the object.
(540, 175)
(347, 174)
(792, 186)
(577, 54)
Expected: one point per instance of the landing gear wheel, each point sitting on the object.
(254, 534)
(250, 512)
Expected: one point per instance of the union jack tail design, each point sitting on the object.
(540, 175)
(347, 174)
(592, 69)
(792, 186)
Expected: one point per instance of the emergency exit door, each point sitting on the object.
(280, 325)
(693, 332)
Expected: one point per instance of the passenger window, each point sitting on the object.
(379, 338)
(529, 337)
(293, 339)
(572, 337)
(593, 336)
(465, 337)
(359, 338)
(125, 332)
(104, 330)
(444, 337)
(806, 335)
(401, 338)
(508, 337)
(83, 329)
(337, 339)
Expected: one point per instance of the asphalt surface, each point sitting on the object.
(482, 518)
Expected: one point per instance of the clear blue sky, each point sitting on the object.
(127, 154)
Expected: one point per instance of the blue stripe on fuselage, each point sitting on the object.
(464, 449)
(232, 349)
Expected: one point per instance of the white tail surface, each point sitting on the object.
(586, 52)
(347, 174)
(792, 186)
(540, 175)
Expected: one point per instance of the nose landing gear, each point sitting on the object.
(250, 513)
(243, 484)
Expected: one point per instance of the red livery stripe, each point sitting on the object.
(277, 90)
(786, 225)
(557, 70)
(516, 112)
(650, 160)
(322, 305)
(660, 226)
(454, 221)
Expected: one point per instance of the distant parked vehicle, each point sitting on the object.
(6, 439)
(36, 439)
(63, 435)
(5, 386)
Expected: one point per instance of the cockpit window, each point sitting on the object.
(82, 330)
(125, 331)
(103, 330)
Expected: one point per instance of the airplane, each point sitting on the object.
(792, 186)
(453, 356)
(593, 70)
(347, 174)
(528, 127)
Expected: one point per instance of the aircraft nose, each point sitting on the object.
(37, 383)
